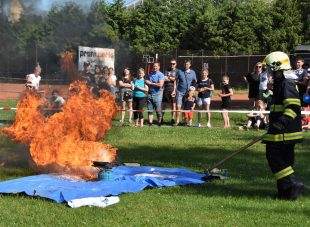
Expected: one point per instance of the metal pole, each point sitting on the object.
(254, 141)
(201, 59)
(226, 64)
(248, 63)
(36, 49)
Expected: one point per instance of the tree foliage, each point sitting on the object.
(161, 26)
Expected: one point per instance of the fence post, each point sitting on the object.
(226, 63)
(248, 63)
(202, 59)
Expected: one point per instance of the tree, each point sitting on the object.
(286, 24)
(304, 6)
(66, 27)
(158, 26)
(108, 22)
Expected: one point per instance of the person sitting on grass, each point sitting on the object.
(54, 104)
(226, 93)
(256, 120)
(189, 106)
(204, 87)
(139, 97)
(57, 101)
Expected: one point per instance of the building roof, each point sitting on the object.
(302, 48)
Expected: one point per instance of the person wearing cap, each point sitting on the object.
(284, 129)
(33, 79)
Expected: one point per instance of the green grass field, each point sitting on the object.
(245, 199)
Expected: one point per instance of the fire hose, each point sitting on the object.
(208, 171)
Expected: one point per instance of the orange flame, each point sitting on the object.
(66, 141)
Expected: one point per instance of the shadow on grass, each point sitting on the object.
(14, 156)
(249, 173)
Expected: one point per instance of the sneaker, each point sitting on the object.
(199, 125)
(209, 125)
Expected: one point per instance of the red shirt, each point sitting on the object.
(305, 120)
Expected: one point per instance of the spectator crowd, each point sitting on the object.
(183, 92)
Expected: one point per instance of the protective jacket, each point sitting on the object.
(285, 113)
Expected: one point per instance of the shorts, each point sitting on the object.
(167, 98)
(179, 98)
(138, 104)
(225, 104)
(203, 101)
(188, 115)
(154, 101)
(126, 96)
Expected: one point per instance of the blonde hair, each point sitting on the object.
(141, 70)
(225, 76)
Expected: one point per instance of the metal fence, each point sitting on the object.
(14, 67)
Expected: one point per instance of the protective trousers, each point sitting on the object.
(280, 157)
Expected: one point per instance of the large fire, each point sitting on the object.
(66, 142)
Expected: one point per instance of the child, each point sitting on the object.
(139, 97)
(57, 101)
(267, 95)
(189, 106)
(204, 88)
(256, 120)
(226, 94)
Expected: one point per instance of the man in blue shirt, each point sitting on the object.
(184, 79)
(155, 82)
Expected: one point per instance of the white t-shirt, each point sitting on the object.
(33, 81)
(113, 78)
(59, 100)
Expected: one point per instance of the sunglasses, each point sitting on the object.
(172, 63)
(258, 66)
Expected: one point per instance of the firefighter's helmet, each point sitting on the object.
(277, 61)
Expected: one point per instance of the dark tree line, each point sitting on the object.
(157, 26)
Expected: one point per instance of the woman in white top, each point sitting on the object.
(33, 79)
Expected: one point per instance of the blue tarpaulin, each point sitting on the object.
(123, 179)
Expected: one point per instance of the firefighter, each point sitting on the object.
(284, 126)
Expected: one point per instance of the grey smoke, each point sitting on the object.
(41, 6)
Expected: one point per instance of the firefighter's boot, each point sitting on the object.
(289, 188)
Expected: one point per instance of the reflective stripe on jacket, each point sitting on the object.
(285, 109)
